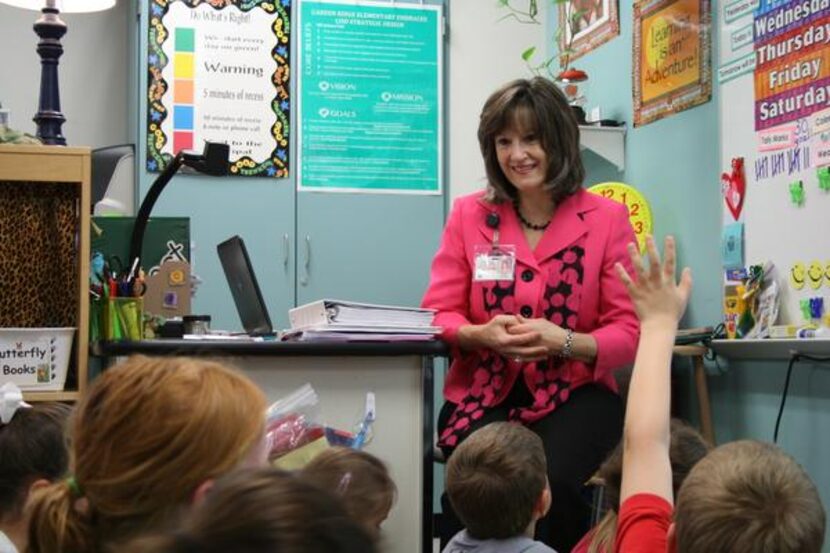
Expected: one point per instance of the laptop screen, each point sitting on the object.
(244, 288)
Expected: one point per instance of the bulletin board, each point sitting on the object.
(774, 76)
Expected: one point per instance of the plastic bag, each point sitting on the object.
(293, 421)
(766, 309)
(362, 433)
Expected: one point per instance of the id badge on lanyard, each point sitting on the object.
(494, 263)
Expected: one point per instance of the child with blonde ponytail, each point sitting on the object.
(147, 441)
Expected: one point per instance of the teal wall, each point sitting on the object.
(674, 162)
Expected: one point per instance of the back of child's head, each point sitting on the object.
(263, 511)
(495, 479)
(686, 447)
(32, 447)
(146, 435)
(749, 497)
(359, 478)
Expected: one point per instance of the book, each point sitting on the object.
(324, 335)
(369, 317)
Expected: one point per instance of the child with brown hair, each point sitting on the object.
(263, 511)
(686, 447)
(743, 497)
(32, 454)
(147, 440)
(360, 479)
(497, 484)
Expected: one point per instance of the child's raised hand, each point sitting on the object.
(656, 295)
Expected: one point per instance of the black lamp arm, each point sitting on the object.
(212, 161)
(140, 225)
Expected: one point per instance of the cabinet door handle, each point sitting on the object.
(307, 262)
(285, 251)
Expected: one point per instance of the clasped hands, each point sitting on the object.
(517, 338)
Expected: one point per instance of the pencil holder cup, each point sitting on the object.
(122, 319)
(96, 319)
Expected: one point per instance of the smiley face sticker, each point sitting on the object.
(815, 274)
(798, 275)
(827, 274)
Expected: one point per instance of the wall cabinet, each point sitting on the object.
(304, 246)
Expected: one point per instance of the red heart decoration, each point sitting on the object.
(733, 187)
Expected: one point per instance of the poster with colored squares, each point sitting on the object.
(218, 71)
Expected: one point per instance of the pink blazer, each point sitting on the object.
(586, 225)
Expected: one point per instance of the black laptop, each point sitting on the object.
(244, 287)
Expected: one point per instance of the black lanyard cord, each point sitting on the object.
(794, 358)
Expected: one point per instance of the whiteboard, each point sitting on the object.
(774, 111)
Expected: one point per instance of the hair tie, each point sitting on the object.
(74, 487)
(11, 399)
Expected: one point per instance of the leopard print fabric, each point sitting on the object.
(38, 254)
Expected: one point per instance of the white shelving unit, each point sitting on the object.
(606, 142)
(767, 349)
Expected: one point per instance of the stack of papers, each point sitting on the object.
(352, 321)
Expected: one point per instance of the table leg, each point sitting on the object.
(704, 407)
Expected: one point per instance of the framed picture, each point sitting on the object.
(672, 57)
(586, 24)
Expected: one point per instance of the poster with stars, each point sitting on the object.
(218, 71)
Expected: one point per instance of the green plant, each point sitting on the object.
(529, 14)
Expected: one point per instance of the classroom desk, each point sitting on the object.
(400, 374)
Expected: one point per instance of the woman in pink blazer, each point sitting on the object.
(525, 291)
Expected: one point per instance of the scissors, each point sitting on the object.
(134, 288)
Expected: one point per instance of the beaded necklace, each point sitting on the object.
(527, 223)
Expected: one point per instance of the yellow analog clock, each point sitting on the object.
(639, 212)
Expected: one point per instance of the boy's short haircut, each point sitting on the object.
(495, 478)
(749, 497)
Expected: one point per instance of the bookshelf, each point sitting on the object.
(47, 188)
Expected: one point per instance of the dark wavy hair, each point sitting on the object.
(32, 446)
(536, 105)
(259, 510)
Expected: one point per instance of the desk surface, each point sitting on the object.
(268, 348)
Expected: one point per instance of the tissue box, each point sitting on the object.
(35, 358)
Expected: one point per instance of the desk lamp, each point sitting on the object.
(50, 28)
(212, 161)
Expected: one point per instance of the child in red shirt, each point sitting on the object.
(742, 497)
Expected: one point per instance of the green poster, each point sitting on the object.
(165, 239)
(370, 97)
